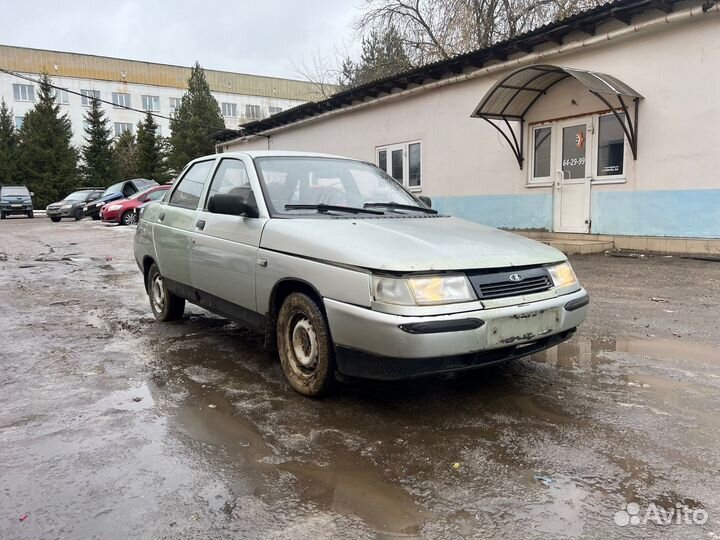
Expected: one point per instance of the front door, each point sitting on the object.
(571, 195)
(224, 247)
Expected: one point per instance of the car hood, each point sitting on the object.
(61, 203)
(15, 198)
(405, 244)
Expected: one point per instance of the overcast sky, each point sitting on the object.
(265, 37)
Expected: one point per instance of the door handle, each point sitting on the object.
(200, 224)
(161, 216)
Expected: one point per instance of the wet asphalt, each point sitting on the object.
(115, 426)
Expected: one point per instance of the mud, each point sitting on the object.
(114, 426)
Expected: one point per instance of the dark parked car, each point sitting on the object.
(15, 200)
(72, 205)
(121, 190)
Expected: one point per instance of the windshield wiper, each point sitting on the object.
(399, 206)
(324, 208)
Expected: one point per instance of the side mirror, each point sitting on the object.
(32, 194)
(232, 205)
(427, 200)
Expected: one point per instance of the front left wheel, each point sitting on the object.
(128, 218)
(165, 305)
(304, 346)
(78, 214)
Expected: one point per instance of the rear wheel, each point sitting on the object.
(165, 305)
(96, 217)
(31, 214)
(128, 218)
(2, 215)
(78, 214)
(55, 219)
(304, 346)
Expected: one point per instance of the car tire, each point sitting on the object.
(55, 219)
(31, 214)
(128, 218)
(95, 217)
(305, 346)
(165, 305)
(78, 214)
(2, 215)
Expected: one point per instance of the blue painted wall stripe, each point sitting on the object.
(531, 211)
(690, 213)
(694, 213)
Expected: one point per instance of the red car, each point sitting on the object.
(123, 211)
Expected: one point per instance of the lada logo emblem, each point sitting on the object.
(515, 277)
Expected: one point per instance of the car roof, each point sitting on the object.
(2, 187)
(279, 153)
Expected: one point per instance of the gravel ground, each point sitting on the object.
(115, 426)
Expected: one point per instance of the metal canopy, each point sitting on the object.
(510, 99)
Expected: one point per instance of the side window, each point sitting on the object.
(230, 178)
(155, 195)
(187, 193)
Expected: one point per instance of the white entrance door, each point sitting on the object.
(571, 195)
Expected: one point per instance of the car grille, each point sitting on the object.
(514, 282)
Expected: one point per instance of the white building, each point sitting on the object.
(140, 85)
(604, 123)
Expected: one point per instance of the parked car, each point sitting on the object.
(123, 211)
(72, 205)
(347, 272)
(15, 200)
(121, 190)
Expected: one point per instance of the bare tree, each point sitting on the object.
(439, 29)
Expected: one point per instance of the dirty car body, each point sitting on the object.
(402, 290)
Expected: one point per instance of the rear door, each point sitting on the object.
(174, 222)
(224, 251)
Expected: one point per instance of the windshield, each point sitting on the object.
(78, 196)
(14, 191)
(326, 181)
(115, 188)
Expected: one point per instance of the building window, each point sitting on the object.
(88, 95)
(252, 111)
(19, 122)
(24, 92)
(541, 158)
(229, 110)
(61, 96)
(274, 110)
(175, 104)
(122, 127)
(120, 100)
(151, 103)
(611, 146)
(403, 162)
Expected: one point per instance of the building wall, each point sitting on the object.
(107, 75)
(673, 189)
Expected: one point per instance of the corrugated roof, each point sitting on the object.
(86, 66)
(585, 21)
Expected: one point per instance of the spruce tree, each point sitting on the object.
(150, 158)
(8, 147)
(99, 167)
(197, 118)
(47, 160)
(383, 54)
(125, 150)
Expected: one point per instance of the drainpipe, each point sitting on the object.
(711, 6)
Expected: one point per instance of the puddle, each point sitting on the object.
(133, 399)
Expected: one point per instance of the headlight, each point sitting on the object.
(66, 206)
(423, 290)
(115, 207)
(562, 275)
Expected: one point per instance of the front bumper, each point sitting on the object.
(58, 212)
(110, 215)
(15, 208)
(377, 345)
